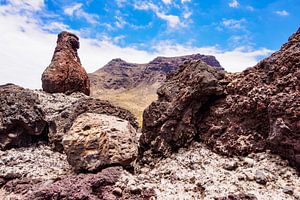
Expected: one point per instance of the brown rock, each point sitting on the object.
(21, 120)
(96, 140)
(254, 110)
(261, 109)
(65, 73)
(86, 186)
(170, 122)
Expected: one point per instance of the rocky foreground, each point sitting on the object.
(192, 173)
(210, 135)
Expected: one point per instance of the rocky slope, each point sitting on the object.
(133, 86)
(236, 114)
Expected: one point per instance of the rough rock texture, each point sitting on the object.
(170, 122)
(198, 173)
(65, 73)
(21, 121)
(96, 140)
(192, 173)
(34, 163)
(82, 186)
(62, 110)
(259, 109)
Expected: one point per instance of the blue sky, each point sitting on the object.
(238, 32)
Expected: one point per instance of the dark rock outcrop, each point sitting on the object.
(65, 73)
(170, 122)
(62, 110)
(21, 121)
(259, 109)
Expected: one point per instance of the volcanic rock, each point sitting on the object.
(65, 73)
(261, 109)
(170, 122)
(21, 121)
(242, 113)
(96, 140)
(62, 110)
(86, 186)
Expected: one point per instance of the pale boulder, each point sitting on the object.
(96, 141)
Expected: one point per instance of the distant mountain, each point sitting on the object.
(119, 74)
(133, 86)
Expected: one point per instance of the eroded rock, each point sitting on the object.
(170, 122)
(21, 120)
(96, 140)
(62, 110)
(65, 73)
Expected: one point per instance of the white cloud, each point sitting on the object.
(167, 1)
(77, 11)
(120, 3)
(120, 23)
(282, 12)
(233, 4)
(29, 48)
(234, 60)
(27, 4)
(183, 1)
(172, 20)
(233, 23)
(187, 14)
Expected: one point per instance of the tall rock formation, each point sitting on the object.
(259, 109)
(65, 73)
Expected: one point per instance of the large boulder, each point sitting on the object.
(61, 111)
(65, 73)
(254, 110)
(170, 122)
(261, 109)
(21, 120)
(96, 140)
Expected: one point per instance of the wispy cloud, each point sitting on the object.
(233, 4)
(26, 4)
(282, 12)
(234, 24)
(183, 1)
(77, 11)
(172, 20)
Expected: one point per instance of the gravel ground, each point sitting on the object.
(193, 173)
(38, 162)
(198, 173)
